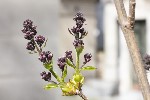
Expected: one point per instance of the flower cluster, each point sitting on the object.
(78, 31)
(87, 57)
(37, 43)
(62, 60)
(78, 43)
(30, 46)
(46, 57)
(29, 31)
(46, 76)
(146, 61)
(69, 55)
(40, 40)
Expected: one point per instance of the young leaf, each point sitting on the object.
(88, 68)
(50, 86)
(68, 89)
(78, 78)
(69, 63)
(64, 73)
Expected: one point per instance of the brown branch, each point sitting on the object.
(127, 26)
(80, 93)
(131, 17)
(122, 13)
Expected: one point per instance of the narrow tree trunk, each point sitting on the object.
(127, 26)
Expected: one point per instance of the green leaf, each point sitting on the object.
(64, 73)
(78, 78)
(48, 65)
(69, 63)
(68, 89)
(88, 68)
(50, 86)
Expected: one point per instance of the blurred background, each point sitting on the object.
(114, 78)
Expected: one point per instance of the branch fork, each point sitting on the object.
(127, 26)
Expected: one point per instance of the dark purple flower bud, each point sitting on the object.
(30, 46)
(69, 55)
(29, 35)
(61, 62)
(82, 31)
(24, 30)
(46, 57)
(28, 27)
(79, 16)
(40, 40)
(87, 57)
(27, 23)
(146, 61)
(78, 43)
(75, 30)
(46, 76)
(79, 23)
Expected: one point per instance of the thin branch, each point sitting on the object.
(131, 17)
(80, 93)
(121, 11)
(127, 26)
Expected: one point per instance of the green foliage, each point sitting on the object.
(64, 73)
(69, 63)
(88, 68)
(78, 78)
(50, 86)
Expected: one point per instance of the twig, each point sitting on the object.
(80, 93)
(131, 17)
(127, 26)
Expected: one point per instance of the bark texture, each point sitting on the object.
(127, 26)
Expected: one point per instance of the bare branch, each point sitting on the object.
(122, 16)
(131, 17)
(127, 26)
(80, 93)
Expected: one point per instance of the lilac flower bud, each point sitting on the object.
(40, 40)
(61, 62)
(79, 23)
(146, 61)
(46, 76)
(46, 57)
(77, 31)
(28, 27)
(87, 57)
(30, 46)
(78, 43)
(27, 23)
(79, 16)
(29, 35)
(69, 55)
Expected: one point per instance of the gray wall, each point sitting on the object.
(19, 71)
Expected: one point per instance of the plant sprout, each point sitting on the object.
(36, 44)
